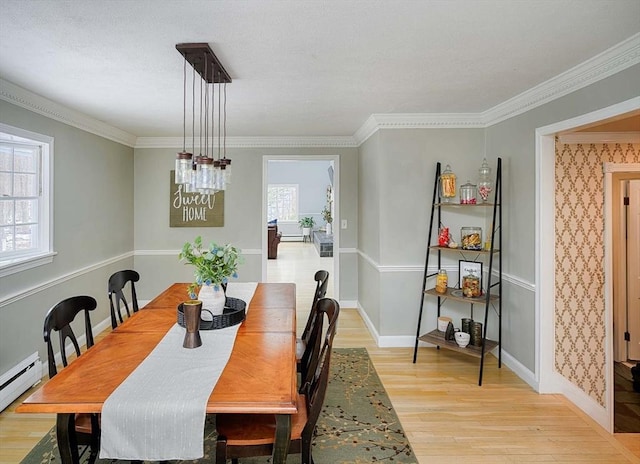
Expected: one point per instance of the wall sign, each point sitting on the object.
(194, 209)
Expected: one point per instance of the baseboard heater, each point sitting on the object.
(19, 379)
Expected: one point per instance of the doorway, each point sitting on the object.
(294, 254)
(625, 200)
(549, 380)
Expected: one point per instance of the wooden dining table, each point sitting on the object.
(259, 378)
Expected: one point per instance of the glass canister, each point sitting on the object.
(471, 286)
(485, 184)
(442, 281)
(447, 185)
(468, 194)
(471, 238)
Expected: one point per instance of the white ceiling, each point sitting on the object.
(300, 67)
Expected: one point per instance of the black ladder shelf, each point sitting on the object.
(492, 290)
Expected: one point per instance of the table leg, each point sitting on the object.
(283, 438)
(66, 436)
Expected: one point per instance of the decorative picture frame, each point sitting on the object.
(469, 267)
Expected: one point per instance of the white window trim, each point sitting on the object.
(45, 254)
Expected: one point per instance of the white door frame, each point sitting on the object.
(336, 204)
(613, 194)
(550, 381)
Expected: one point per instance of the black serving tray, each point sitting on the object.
(234, 313)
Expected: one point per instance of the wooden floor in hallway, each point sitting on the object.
(446, 416)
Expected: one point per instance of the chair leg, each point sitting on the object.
(306, 448)
(95, 439)
(221, 450)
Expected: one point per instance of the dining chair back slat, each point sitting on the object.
(304, 344)
(58, 319)
(117, 299)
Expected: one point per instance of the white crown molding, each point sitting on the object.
(617, 58)
(33, 102)
(600, 137)
(257, 142)
(379, 121)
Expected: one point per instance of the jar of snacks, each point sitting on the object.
(444, 237)
(447, 185)
(485, 184)
(471, 286)
(468, 194)
(442, 281)
(471, 238)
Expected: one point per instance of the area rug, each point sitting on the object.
(357, 425)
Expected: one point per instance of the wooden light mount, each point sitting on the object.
(197, 54)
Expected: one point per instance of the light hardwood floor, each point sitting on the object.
(447, 417)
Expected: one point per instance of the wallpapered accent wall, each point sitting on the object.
(579, 263)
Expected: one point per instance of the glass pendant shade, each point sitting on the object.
(190, 187)
(225, 164)
(183, 168)
(205, 175)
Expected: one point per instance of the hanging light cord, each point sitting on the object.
(224, 136)
(184, 107)
(193, 113)
(213, 107)
(206, 110)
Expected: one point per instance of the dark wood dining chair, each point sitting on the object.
(117, 284)
(58, 319)
(322, 281)
(245, 435)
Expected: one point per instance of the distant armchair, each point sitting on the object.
(273, 238)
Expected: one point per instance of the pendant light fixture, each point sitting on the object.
(211, 174)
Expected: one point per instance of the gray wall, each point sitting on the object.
(157, 244)
(397, 170)
(93, 232)
(514, 140)
(312, 178)
(399, 167)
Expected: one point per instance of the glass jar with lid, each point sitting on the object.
(468, 194)
(485, 183)
(471, 286)
(471, 238)
(442, 281)
(447, 185)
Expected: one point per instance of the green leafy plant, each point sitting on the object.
(213, 265)
(326, 215)
(306, 221)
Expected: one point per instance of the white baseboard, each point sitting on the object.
(370, 327)
(583, 401)
(348, 303)
(519, 369)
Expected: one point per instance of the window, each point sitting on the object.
(282, 202)
(25, 199)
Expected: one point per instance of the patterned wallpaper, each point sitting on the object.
(579, 264)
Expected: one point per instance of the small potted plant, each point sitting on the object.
(214, 266)
(306, 224)
(326, 215)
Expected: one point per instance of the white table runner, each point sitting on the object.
(158, 412)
